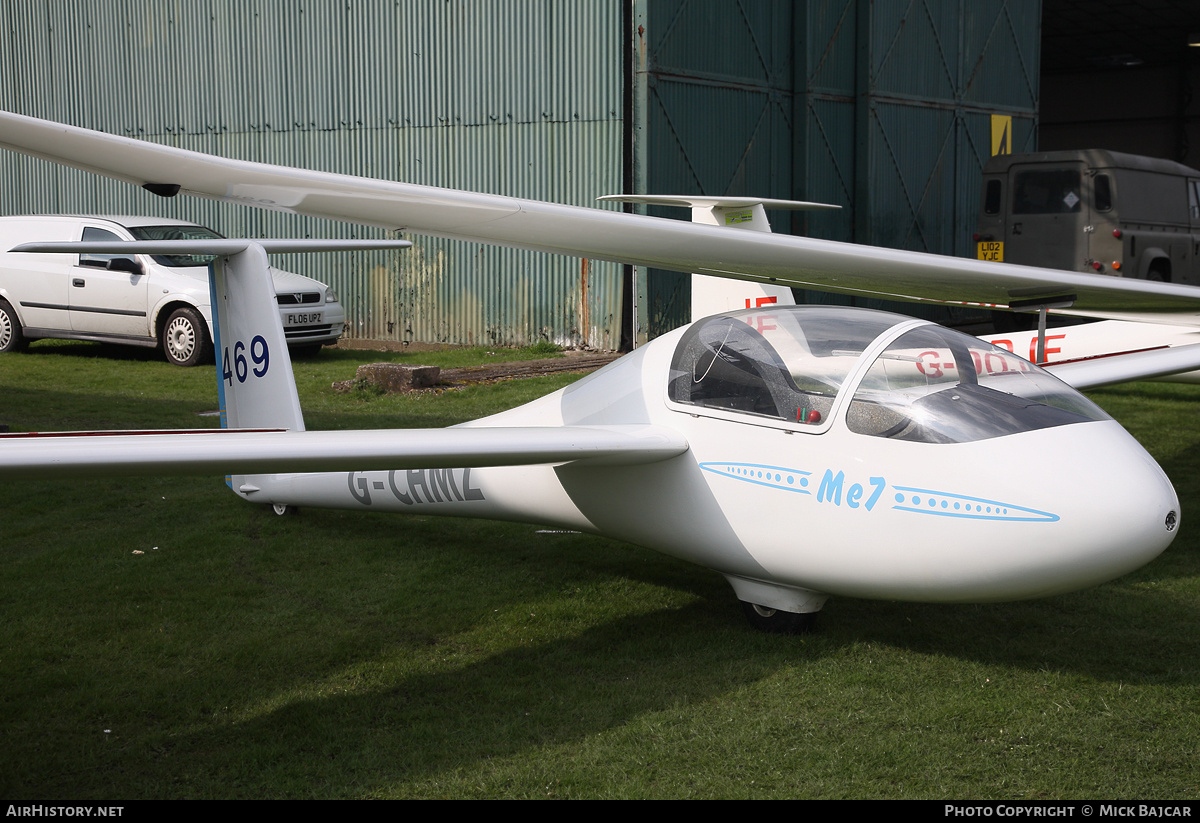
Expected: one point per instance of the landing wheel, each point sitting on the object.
(777, 621)
(283, 509)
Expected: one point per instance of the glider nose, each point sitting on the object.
(1125, 514)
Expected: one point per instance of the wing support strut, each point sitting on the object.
(1042, 305)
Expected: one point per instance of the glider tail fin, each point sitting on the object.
(255, 384)
(716, 295)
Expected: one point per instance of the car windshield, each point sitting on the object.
(176, 233)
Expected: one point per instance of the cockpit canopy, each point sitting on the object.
(929, 384)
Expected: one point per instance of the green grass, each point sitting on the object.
(340, 654)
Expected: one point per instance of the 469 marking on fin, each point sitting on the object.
(260, 354)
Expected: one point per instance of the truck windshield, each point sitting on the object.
(176, 261)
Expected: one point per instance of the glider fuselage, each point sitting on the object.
(788, 510)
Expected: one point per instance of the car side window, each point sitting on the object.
(98, 261)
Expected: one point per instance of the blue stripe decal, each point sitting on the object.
(836, 488)
(944, 504)
(775, 477)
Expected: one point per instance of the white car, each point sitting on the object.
(138, 300)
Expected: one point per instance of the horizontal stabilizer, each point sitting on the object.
(234, 451)
(696, 201)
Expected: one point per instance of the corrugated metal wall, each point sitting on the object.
(523, 99)
(881, 106)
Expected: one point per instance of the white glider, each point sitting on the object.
(801, 452)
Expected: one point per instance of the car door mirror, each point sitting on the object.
(125, 264)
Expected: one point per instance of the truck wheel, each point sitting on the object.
(185, 338)
(11, 338)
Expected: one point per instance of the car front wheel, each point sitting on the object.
(185, 338)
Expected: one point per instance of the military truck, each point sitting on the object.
(1092, 210)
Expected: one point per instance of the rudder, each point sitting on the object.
(256, 386)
